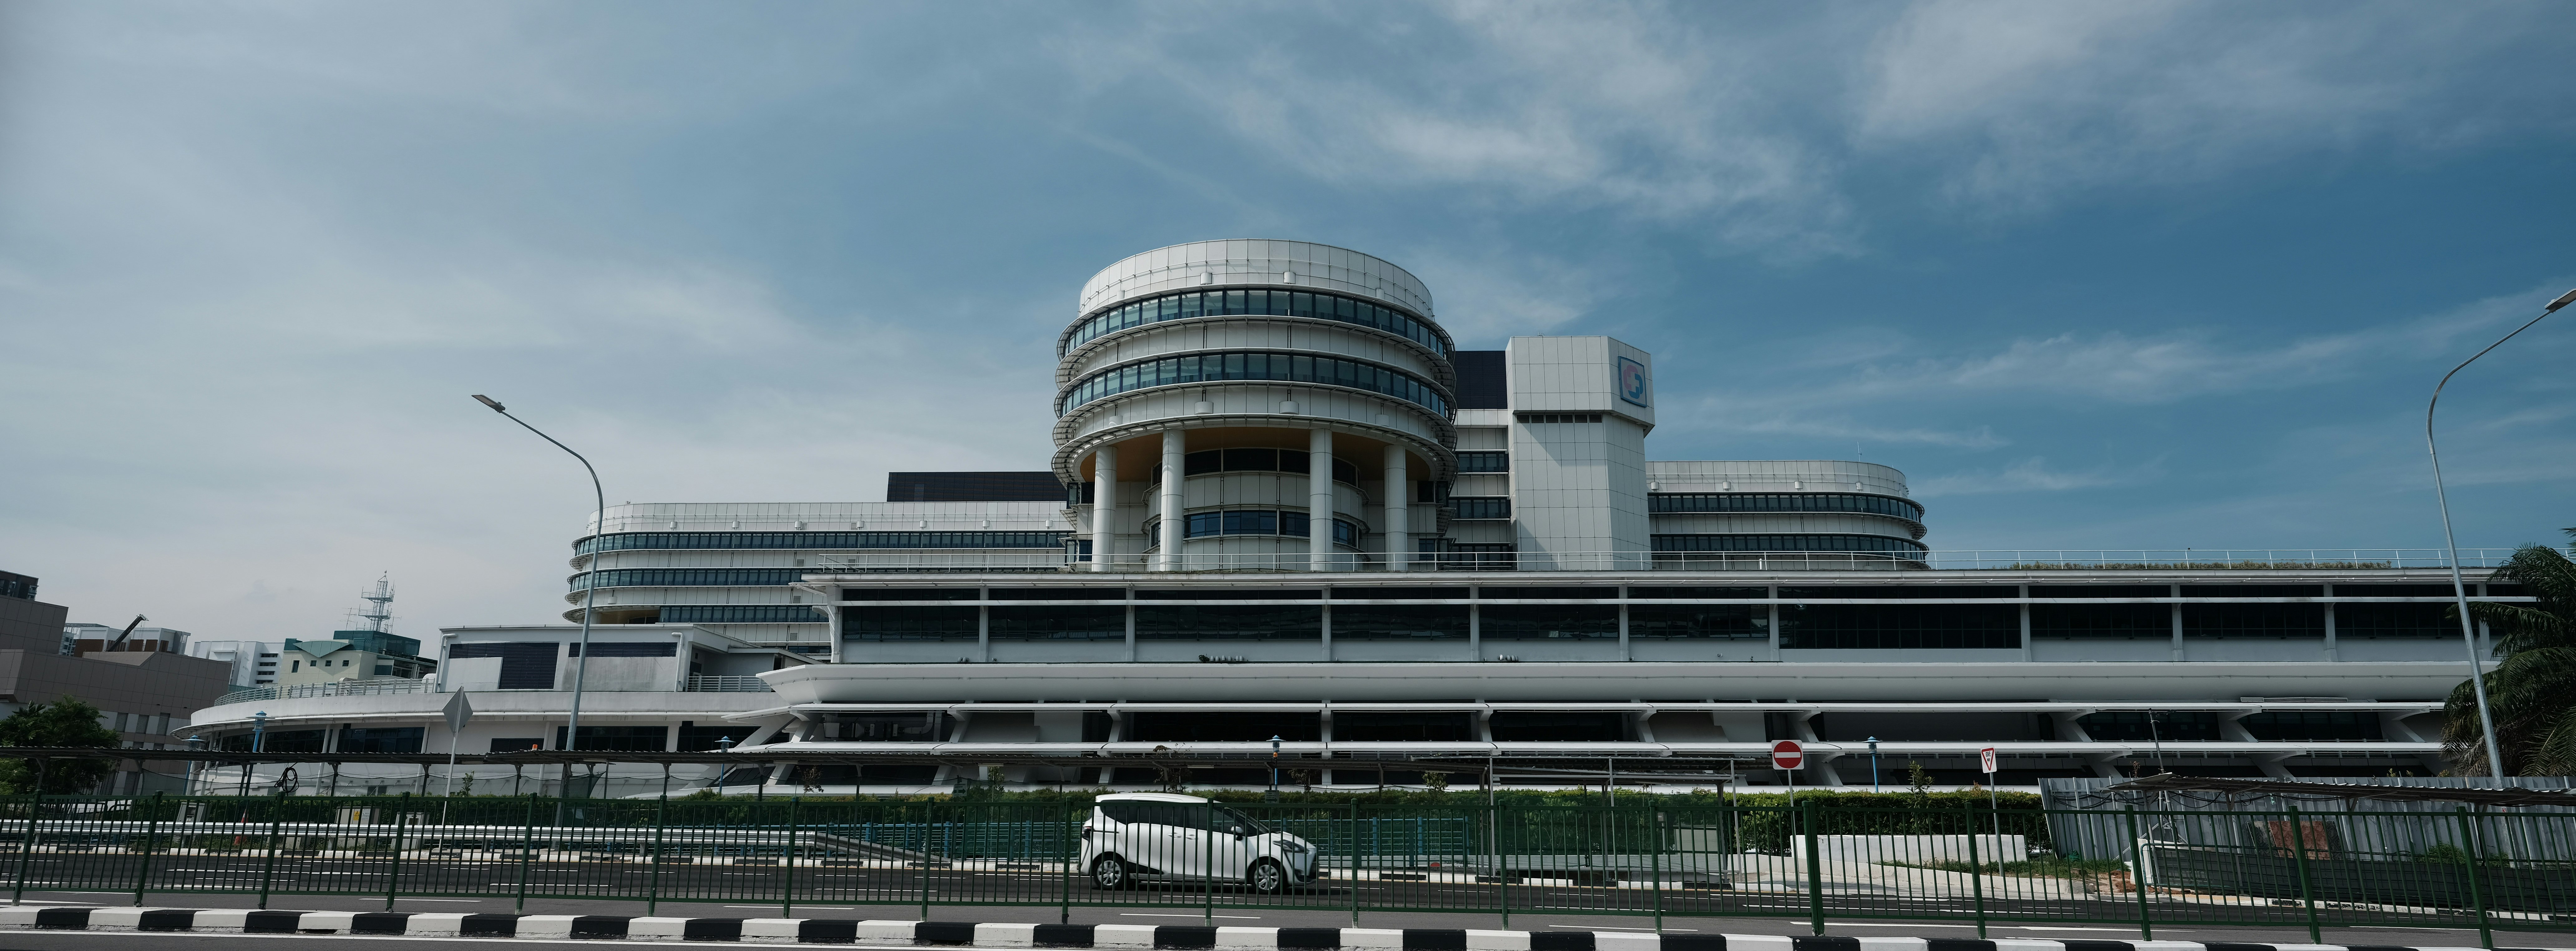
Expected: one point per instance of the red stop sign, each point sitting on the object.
(1787, 754)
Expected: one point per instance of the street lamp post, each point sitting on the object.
(1873, 764)
(2460, 587)
(590, 595)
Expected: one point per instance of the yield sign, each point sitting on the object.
(1787, 754)
(1986, 758)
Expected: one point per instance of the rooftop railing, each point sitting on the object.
(2181, 559)
(706, 683)
(341, 688)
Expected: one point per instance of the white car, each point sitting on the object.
(1162, 835)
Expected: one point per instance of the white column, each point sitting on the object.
(1174, 444)
(1104, 504)
(1319, 499)
(1399, 494)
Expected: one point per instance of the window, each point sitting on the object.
(1398, 622)
(875, 727)
(2304, 725)
(1470, 506)
(1404, 727)
(628, 649)
(2100, 591)
(1695, 593)
(2221, 621)
(1259, 302)
(525, 665)
(626, 739)
(1899, 626)
(1486, 462)
(921, 623)
(1059, 594)
(2398, 591)
(1295, 461)
(292, 741)
(2101, 621)
(743, 614)
(1699, 621)
(1532, 622)
(1221, 622)
(1900, 591)
(1219, 367)
(1224, 727)
(1227, 594)
(2370, 621)
(813, 541)
(2253, 591)
(1014, 622)
(1554, 727)
(1492, 592)
(1790, 544)
(387, 739)
(2135, 725)
(515, 744)
(1557, 417)
(1686, 502)
(905, 594)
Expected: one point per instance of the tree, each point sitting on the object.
(2533, 689)
(65, 722)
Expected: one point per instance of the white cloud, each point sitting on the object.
(2028, 475)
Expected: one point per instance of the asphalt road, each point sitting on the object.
(1034, 894)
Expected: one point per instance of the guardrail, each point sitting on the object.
(1643, 856)
(2193, 559)
(708, 683)
(337, 688)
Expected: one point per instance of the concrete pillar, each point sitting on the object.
(1399, 494)
(1319, 499)
(1104, 505)
(1175, 444)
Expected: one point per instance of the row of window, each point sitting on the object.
(1793, 593)
(1254, 522)
(2202, 726)
(1481, 506)
(1256, 302)
(1283, 367)
(1390, 622)
(813, 541)
(1257, 459)
(1802, 627)
(1688, 502)
(741, 614)
(1829, 543)
(1484, 462)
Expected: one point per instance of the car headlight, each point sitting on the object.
(1291, 848)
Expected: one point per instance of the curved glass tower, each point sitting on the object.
(1254, 405)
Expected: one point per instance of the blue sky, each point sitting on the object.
(2095, 275)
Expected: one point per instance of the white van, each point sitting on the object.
(1162, 835)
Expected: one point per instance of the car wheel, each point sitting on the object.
(1109, 874)
(1267, 878)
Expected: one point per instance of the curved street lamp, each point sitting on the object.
(2459, 587)
(590, 595)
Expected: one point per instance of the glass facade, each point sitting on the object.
(1404, 727)
(1229, 622)
(813, 541)
(2373, 621)
(742, 614)
(1255, 302)
(909, 623)
(630, 739)
(1214, 727)
(1899, 626)
(2145, 726)
(1060, 622)
(1699, 622)
(1538, 622)
(2105, 621)
(1398, 622)
(1683, 502)
(1257, 365)
(2302, 725)
(1251, 522)
(1476, 506)
(688, 578)
(2221, 621)
(381, 739)
(1257, 459)
(1512, 726)
(1861, 544)
(1485, 462)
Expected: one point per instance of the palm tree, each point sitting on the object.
(2534, 688)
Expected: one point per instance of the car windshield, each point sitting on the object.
(1229, 817)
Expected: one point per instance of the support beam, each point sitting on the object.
(1319, 500)
(1399, 495)
(1104, 506)
(1174, 520)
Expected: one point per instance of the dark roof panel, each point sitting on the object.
(973, 487)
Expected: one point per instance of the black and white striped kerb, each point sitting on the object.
(998, 935)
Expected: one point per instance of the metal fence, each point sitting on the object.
(1642, 856)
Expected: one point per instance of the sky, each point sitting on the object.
(2095, 276)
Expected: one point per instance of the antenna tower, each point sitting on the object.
(379, 604)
